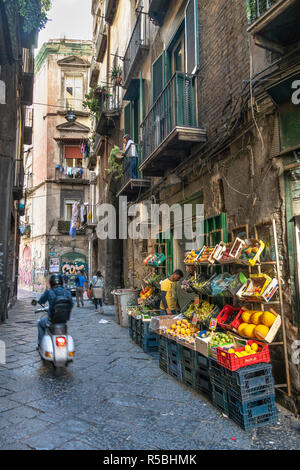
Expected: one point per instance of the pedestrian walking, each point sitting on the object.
(80, 282)
(98, 290)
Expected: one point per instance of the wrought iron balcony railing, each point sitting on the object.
(256, 8)
(110, 7)
(175, 107)
(138, 43)
(132, 179)
(28, 122)
(64, 173)
(109, 109)
(158, 10)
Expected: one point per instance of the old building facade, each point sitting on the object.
(16, 90)
(209, 97)
(56, 166)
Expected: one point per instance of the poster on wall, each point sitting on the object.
(54, 265)
(74, 263)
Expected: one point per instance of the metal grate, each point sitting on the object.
(175, 106)
(139, 39)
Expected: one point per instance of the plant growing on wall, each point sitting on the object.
(33, 12)
(91, 102)
(115, 161)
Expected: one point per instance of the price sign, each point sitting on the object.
(213, 324)
(196, 302)
(194, 320)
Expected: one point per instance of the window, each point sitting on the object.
(73, 91)
(68, 208)
(73, 156)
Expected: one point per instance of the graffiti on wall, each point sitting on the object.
(73, 263)
(31, 273)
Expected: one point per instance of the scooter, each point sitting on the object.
(57, 346)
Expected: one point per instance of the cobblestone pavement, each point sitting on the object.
(114, 396)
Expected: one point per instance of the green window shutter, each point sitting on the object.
(191, 36)
(157, 77)
(127, 119)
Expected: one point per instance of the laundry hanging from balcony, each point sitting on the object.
(78, 219)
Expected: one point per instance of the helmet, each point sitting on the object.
(56, 280)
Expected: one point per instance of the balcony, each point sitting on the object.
(18, 181)
(110, 8)
(274, 23)
(132, 181)
(109, 111)
(94, 72)
(171, 127)
(101, 42)
(138, 46)
(158, 10)
(72, 175)
(28, 126)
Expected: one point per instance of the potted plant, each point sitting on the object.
(116, 162)
(116, 75)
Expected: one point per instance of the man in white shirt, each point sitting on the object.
(129, 149)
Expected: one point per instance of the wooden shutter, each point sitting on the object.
(73, 152)
(191, 36)
(157, 77)
(127, 119)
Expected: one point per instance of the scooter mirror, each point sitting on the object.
(33, 302)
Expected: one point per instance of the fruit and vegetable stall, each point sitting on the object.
(220, 343)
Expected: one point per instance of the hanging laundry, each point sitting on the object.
(72, 232)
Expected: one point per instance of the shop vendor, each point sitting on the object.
(168, 305)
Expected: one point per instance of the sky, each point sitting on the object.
(69, 18)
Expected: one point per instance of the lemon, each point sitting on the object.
(173, 327)
(254, 347)
(231, 351)
(178, 322)
(247, 348)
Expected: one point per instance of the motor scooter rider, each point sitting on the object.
(56, 290)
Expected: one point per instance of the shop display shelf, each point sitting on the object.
(253, 414)
(220, 398)
(251, 382)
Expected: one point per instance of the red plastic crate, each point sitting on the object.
(225, 313)
(228, 360)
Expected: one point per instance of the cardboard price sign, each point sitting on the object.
(195, 320)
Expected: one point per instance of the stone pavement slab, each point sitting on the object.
(114, 396)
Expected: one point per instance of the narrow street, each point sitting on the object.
(114, 396)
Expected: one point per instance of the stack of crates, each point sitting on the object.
(174, 355)
(246, 395)
(130, 321)
(163, 354)
(195, 371)
(149, 340)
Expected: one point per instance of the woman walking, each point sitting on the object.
(98, 287)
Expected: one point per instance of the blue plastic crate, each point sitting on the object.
(175, 369)
(220, 398)
(130, 332)
(130, 321)
(254, 413)
(188, 376)
(201, 362)
(251, 382)
(149, 344)
(174, 350)
(203, 384)
(215, 368)
(187, 356)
